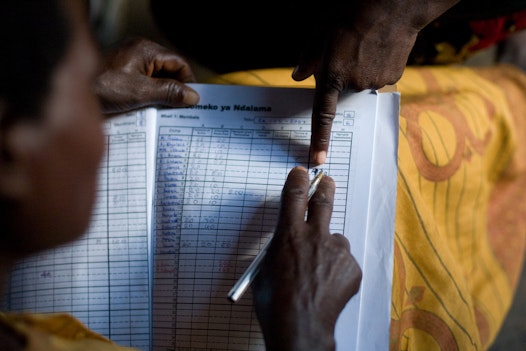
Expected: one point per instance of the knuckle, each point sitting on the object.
(294, 193)
(173, 94)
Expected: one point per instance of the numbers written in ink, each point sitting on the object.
(46, 274)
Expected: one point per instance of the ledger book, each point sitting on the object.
(186, 199)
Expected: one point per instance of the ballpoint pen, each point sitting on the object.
(252, 270)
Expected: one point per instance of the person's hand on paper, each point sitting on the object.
(358, 45)
(139, 73)
(308, 275)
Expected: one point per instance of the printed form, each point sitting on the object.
(220, 169)
(188, 197)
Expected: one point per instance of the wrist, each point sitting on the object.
(299, 333)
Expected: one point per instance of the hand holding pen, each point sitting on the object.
(252, 270)
(307, 275)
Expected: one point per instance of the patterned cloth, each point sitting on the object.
(52, 332)
(455, 38)
(460, 230)
(460, 223)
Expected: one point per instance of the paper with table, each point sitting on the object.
(186, 199)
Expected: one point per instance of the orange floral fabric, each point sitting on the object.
(460, 228)
(56, 332)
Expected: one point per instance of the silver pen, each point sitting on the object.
(252, 270)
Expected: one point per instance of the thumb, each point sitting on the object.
(168, 92)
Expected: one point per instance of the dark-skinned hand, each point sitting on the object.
(308, 275)
(358, 45)
(139, 73)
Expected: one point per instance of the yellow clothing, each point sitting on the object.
(55, 332)
(461, 205)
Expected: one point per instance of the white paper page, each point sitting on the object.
(103, 278)
(376, 259)
(221, 168)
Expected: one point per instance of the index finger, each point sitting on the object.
(323, 113)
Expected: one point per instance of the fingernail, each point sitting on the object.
(191, 97)
(320, 157)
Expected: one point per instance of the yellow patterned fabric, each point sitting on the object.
(460, 227)
(54, 332)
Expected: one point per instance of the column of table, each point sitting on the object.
(127, 241)
(171, 171)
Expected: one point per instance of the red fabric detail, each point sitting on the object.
(491, 31)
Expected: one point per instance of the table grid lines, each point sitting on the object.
(102, 278)
(216, 201)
